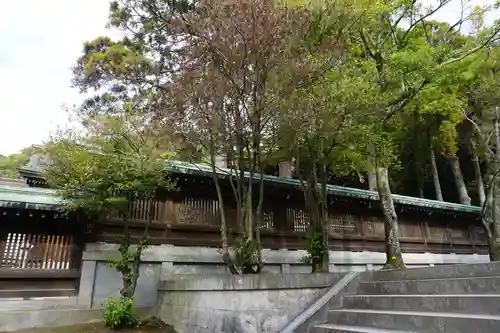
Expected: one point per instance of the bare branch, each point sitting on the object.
(442, 3)
(491, 38)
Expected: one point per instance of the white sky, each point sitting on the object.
(39, 41)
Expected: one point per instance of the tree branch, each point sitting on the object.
(368, 48)
(473, 50)
(423, 17)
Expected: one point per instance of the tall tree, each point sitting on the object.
(103, 170)
(482, 112)
(224, 96)
(318, 124)
(174, 45)
(407, 64)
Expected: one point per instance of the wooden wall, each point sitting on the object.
(40, 254)
(190, 217)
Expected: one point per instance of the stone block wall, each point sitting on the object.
(246, 304)
(162, 262)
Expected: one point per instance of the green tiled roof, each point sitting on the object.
(205, 170)
(29, 198)
(47, 199)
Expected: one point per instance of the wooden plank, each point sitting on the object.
(25, 293)
(19, 248)
(27, 273)
(37, 261)
(26, 249)
(76, 252)
(48, 241)
(14, 248)
(210, 234)
(67, 252)
(58, 250)
(3, 243)
(8, 250)
(52, 252)
(32, 287)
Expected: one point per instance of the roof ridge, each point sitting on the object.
(332, 189)
(204, 169)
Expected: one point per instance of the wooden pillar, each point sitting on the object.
(3, 242)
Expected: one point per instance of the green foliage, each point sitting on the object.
(107, 168)
(119, 314)
(10, 164)
(103, 170)
(334, 85)
(247, 255)
(316, 250)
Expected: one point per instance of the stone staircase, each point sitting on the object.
(451, 299)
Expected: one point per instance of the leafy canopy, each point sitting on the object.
(112, 163)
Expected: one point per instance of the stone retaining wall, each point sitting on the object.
(98, 281)
(246, 304)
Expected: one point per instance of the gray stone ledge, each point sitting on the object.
(204, 255)
(250, 282)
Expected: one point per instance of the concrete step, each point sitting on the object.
(458, 303)
(422, 322)
(479, 285)
(329, 328)
(437, 272)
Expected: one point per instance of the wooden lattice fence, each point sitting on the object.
(39, 256)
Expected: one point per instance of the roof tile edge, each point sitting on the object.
(205, 170)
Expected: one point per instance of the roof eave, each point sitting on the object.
(205, 171)
(202, 170)
(29, 205)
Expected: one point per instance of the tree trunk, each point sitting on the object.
(459, 180)
(226, 256)
(325, 223)
(491, 213)
(494, 221)
(319, 218)
(259, 214)
(316, 206)
(130, 274)
(125, 271)
(122, 264)
(372, 174)
(435, 174)
(477, 172)
(372, 181)
(479, 180)
(393, 248)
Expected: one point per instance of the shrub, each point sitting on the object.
(119, 314)
(248, 255)
(316, 249)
